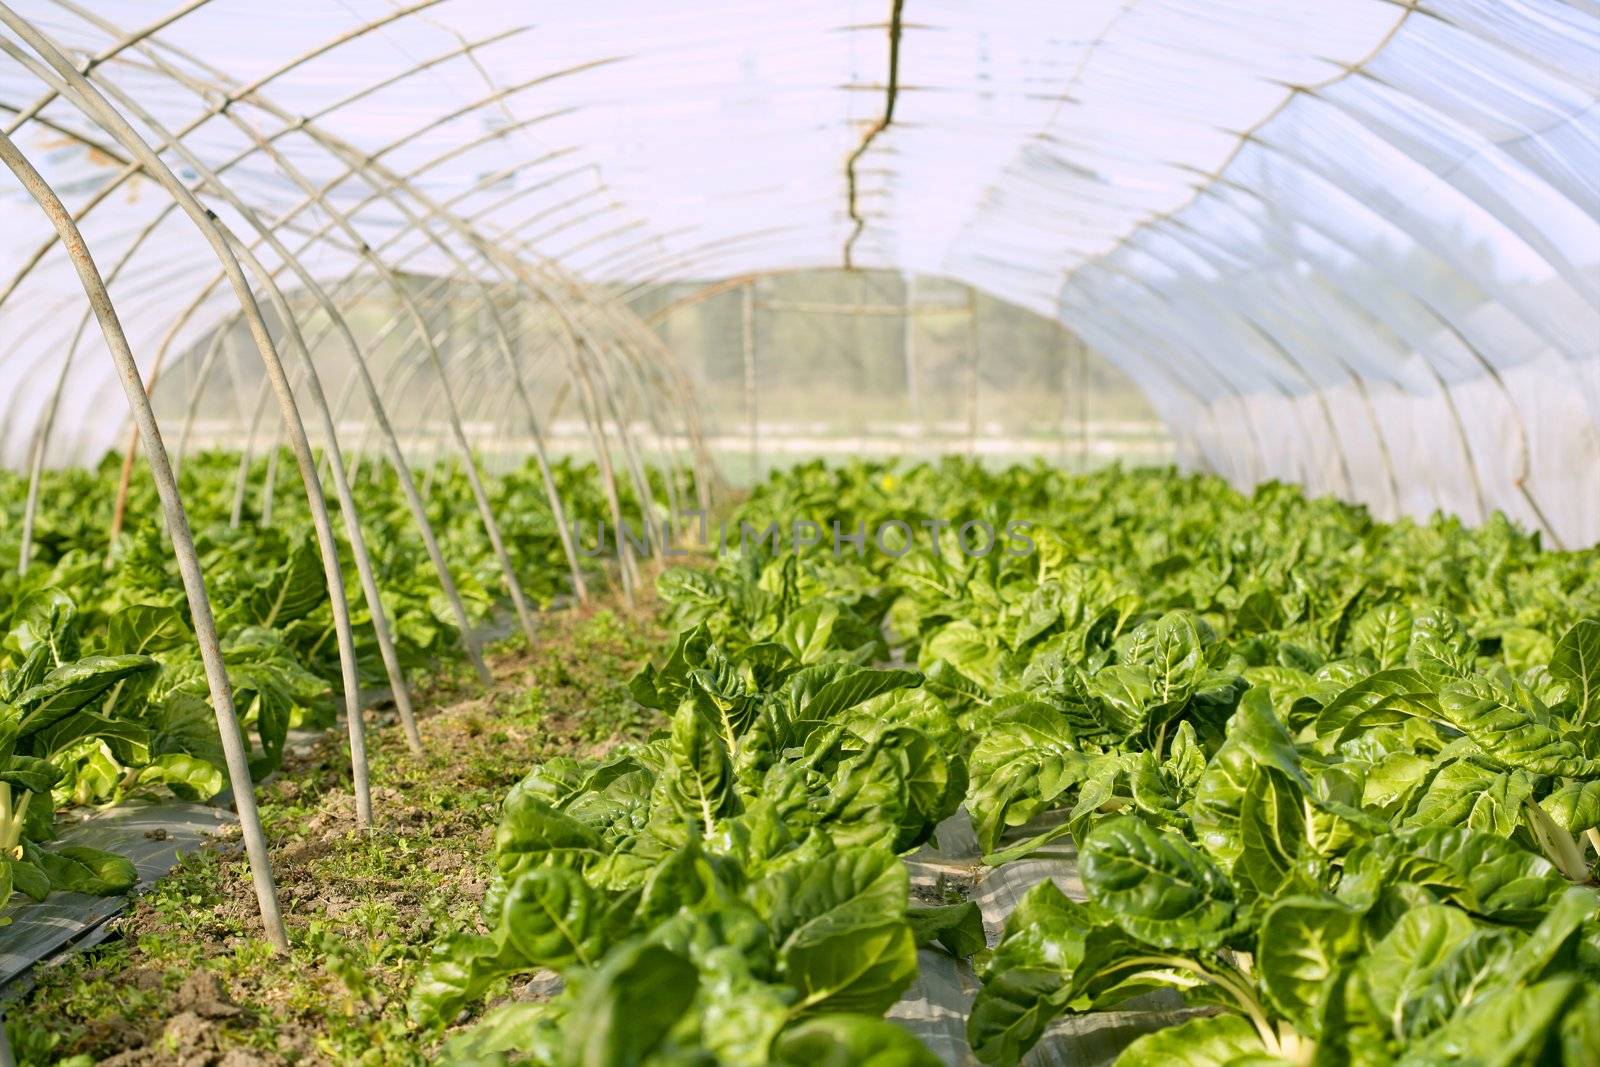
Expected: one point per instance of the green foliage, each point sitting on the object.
(102, 692)
(744, 860)
(1334, 780)
(1306, 756)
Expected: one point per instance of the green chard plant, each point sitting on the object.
(1293, 746)
(733, 885)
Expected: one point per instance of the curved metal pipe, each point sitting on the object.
(84, 95)
(233, 747)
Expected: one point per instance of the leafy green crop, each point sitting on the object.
(1334, 777)
(732, 884)
(102, 691)
(1335, 781)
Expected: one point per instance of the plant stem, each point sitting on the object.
(1235, 985)
(12, 817)
(5, 815)
(1560, 847)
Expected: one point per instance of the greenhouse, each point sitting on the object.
(894, 534)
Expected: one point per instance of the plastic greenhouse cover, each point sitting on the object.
(1350, 242)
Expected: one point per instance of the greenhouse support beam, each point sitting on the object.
(347, 503)
(1407, 8)
(1481, 278)
(974, 353)
(41, 438)
(1083, 405)
(126, 40)
(1356, 298)
(698, 296)
(234, 753)
(1218, 374)
(202, 376)
(643, 343)
(645, 359)
(552, 491)
(620, 325)
(1197, 378)
(87, 97)
(238, 94)
(511, 267)
(414, 501)
(213, 107)
(357, 167)
(908, 349)
(1284, 347)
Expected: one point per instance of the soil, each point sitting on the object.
(186, 977)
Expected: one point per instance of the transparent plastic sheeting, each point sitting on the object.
(1352, 243)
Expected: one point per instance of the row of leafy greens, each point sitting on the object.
(730, 891)
(1337, 781)
(102, 692)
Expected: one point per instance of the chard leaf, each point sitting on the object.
(858, 969)
(1580, 1030)
(189, 778)
(699, 778)
(549, 916)
(28, 878)
(625, 1010)
(532, 833)
(1510, 1025)
(1366, 1014)
(1442, 649)
(1303, 944)
(854, 688)
(1177, 657)
(1472, 969)
(1123, 695)
(459, 971)
(806, 632)
(1157, 886)
(47, 621)
(1384, 633)
(1387, 698)
(1463, 793)
(1213, 1041)
(1577, 662)
(79, 869)
(832, 895)
(1024, 761)
(31, 773)
(850, 1041)
(1486, 874)
(1272, 832)
(1510, 735)
(1255, 739)
(1574, 806)
(968, 652)
(150, 627)
(70, 687)
(958, 927)
(1011, 1012)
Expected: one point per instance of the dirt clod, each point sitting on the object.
(202, 994)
